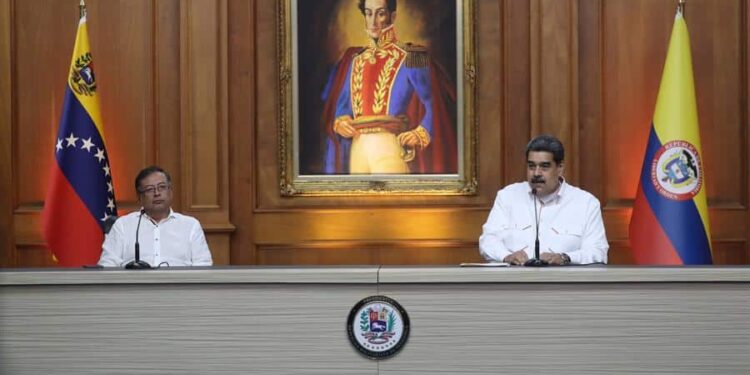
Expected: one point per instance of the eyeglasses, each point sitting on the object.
(151, 190)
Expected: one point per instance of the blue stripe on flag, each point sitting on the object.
(82, 168)
(679, 219)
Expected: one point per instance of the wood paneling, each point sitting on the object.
(7, 257)
(370, 252)
(204, 133)
(160, 105)
(589, 86)
(243, 121)
(516, 92)
(554, 72)
(623, 48)
(192, 85)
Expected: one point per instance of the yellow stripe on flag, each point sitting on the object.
(82, 55)
(676, 113)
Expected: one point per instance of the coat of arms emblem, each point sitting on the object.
(676, 171)
(378, 327)
(82, 79)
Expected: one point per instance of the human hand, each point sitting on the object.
(517, 258)
(552, 258)
(409, 138)
(343, 127)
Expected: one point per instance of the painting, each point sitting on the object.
(377, 97)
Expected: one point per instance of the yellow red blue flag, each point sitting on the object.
(670, 225)
(80, 196)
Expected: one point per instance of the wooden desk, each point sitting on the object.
(573, 320)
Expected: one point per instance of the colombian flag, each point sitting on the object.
(669, 225)
(80, 196)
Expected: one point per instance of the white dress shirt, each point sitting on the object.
(570, 222)
(177, 240)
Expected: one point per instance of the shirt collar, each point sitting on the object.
(556, 195)
(171, 215)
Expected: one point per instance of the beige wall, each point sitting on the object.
(192, 85)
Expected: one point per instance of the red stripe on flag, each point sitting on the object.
(649, 243)
(69, 229)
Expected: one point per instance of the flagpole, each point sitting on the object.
(680, 7)
(81, 10)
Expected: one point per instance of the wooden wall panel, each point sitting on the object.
(141, 78)
(38, 92)
(516, 91)
(554, 72)
(204, 133)
(744, 175)
(633, 39)
(243, 120)
(589, 87)
(43, 33)
(167, 95)
(716, 36)
(7, 257)
(637, 35)
(370, 252)
(192, 85)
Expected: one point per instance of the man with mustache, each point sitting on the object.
(388, 106)
(571, 230)
(165, 237)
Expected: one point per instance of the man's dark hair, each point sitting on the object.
(390, 4)
(145, 172)
(549, 144)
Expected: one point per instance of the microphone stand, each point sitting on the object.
(138, 264)
(536, 262)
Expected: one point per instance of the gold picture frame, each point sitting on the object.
(306, 161)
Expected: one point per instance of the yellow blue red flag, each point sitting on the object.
(80, 196)
(670, 225)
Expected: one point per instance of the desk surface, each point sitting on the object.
(376, 275)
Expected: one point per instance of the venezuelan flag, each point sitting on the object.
(669, 225)
(80, 196)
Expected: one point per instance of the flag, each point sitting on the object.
(80, 194)
(669, 225)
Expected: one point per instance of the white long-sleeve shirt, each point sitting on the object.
(570, 222)
(177, 240)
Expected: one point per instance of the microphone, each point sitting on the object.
(536, 262)
(138, 264)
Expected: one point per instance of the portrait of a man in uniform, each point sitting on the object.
(377, 104)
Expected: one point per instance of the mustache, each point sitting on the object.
(537, 180)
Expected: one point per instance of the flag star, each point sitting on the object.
(71, 140)
(87, 145)
(99, 154)
(105, 217)
(111, 204)
(106, 169)
(109, 187)
(58, 146)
